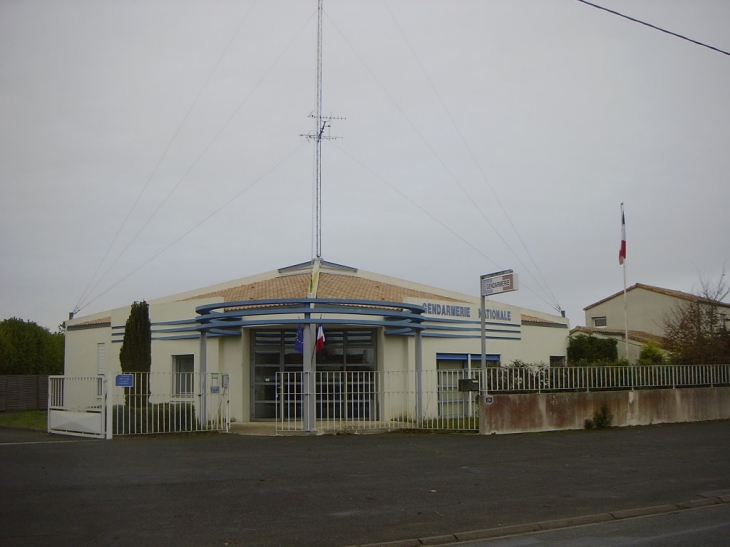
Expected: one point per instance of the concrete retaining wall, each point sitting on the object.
(554, 411)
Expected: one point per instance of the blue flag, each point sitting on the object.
(299, 342)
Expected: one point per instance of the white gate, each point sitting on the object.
(138, 403)
(77, 406)
(371, 400)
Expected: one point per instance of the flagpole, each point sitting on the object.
(622, 259)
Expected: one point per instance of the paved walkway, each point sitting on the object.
(217, 489)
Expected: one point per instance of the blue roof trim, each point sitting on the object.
(237, 314)
(429, 319)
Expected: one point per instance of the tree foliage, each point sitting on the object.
(696, 331)
(587, 350)
(650, 354)
(28, 348)
(136, 352)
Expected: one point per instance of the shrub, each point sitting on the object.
(651, 354)
(586, 350)
(602, 418)
(154, 418)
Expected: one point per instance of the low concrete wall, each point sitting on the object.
(554, 411)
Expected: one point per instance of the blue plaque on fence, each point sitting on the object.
(125, 380)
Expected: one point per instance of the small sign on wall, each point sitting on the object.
(125, 380)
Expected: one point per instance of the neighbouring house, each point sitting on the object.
(647, 308)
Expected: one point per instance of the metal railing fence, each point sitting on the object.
(370, 400)
(443, 400)
(156, 402)
(171, 402)
(530, 379)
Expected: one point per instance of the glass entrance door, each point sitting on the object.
(344, 369)
(273, 351)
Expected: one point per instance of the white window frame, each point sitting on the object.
(602, 318)
(183, 381)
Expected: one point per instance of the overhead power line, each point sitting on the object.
(89, 289)
(541, 282)
(660, 29)
(88, 294)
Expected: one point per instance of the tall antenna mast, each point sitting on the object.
(321, 123)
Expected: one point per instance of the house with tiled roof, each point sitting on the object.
(647, 308)
(249, 330)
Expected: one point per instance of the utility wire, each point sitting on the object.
(204, 220)
(409, 200)
(660, 29)
(441, 161)
(195, 162)
(546, 287)
(87, 290)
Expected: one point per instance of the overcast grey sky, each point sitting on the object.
(120, 115)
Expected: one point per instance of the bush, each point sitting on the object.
(587, 350)
(651, 354)
(154, 418)
(602, 418)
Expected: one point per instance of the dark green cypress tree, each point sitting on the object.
(135, 356)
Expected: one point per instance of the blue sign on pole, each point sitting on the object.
(125, 380)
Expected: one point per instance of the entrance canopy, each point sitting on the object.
(228, 318)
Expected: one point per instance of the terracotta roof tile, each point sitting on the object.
(637, 335)
(357, 288)
(93, 323)
(287, 286)
(346, 287)
(668, 292)
(532, 319)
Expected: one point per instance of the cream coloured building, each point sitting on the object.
(647, 308)
(247, 328)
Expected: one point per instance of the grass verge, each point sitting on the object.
(30, 419)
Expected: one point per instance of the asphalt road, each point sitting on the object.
(706, 527)
(341, 490)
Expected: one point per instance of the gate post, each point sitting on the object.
(108, 399)
(203, 376)
(419, 378)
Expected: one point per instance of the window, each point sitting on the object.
(599, 321)
(557, 360)
(100, 367)
(183, 368)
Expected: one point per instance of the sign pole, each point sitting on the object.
(484, 344)
(493, 283)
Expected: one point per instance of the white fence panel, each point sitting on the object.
(356, 401)
(156, 402)
(76, 406)
(169, 402)
(368, 400)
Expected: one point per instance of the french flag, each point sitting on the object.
(319, 344)
(622, 251)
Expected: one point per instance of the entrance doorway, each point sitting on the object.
(341, 364)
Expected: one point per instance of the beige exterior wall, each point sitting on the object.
(81, 351)
(539, 343)
(646, 311)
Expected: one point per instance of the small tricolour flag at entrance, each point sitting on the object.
(622, 250)
(320, 339)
